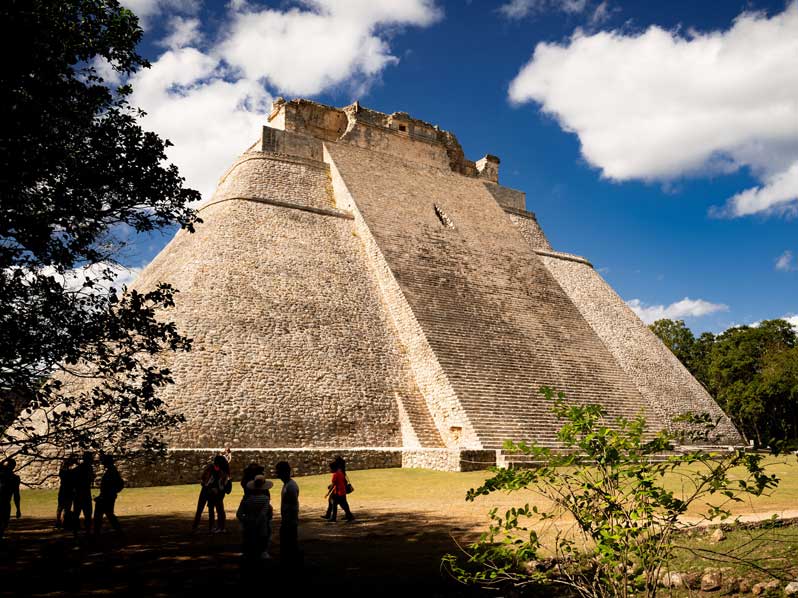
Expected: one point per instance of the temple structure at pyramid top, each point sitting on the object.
(359, 287)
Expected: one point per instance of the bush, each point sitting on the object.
(610, 527)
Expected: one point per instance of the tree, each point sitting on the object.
(77, 174)
(750, 370)
(752, 373)
(607, 481)
(677, 337)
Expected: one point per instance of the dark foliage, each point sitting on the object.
(77, 176)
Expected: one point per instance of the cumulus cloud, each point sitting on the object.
(686, 308)
(779, 194)
(210, 100)
(785, 262)
(306, 51)
(665, 104)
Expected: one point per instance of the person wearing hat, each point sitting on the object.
(255, 515)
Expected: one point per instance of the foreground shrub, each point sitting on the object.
(606, 524)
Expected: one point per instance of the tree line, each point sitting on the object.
(751, 371)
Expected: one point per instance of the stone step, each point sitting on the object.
(423, 425)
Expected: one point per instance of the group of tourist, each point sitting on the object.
(76, 477)
(74, 493)
(255, 511)
(215, 484)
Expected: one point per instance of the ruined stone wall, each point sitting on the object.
(398, 144)
(499, 324)
(290, 144)
(184, 466)
(292, 346)
(660, 377)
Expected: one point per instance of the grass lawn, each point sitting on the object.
(407, 519)
(396, 490)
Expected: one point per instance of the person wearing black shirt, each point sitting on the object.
(9, 489)
(111, 485)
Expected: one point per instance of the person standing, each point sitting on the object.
(213, 482)
(111, 484)
(206, 480)
(66, 493)
(289, 515)
(84, 478)
(255, 515)
(224, 484)
(9, 489)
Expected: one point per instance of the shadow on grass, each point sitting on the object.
(388, 554)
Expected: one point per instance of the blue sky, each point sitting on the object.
(659, 140)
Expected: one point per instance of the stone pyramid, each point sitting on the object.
(359, 287)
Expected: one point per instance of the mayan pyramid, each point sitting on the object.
(359, 287)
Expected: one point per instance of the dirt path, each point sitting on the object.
(396, 554)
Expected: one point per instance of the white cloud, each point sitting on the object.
(518, 9)
(785, 262)
(210, 101)
(144, 9)
(793, 320)
(185, 31)
(306, 51)
(686, 308)
(779, 194)
(660, 104)
(209, 119)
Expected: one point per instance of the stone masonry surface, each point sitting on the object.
(450, 419)
(657, 373)
(292, 347)
(497, 321)
(184, 466)
(530, 229)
